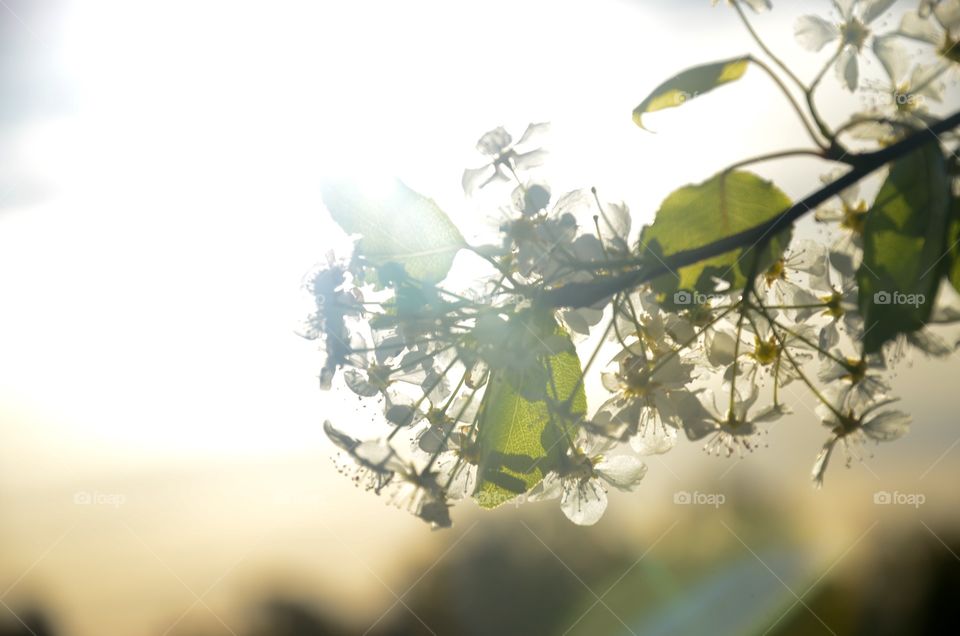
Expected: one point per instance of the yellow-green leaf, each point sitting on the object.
(528, 412)
(904, 241)
(696, 215)
(953, 240)
(396, 225)
(689, 84)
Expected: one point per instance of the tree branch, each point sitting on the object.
(589, 293)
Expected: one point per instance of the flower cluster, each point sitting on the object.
(432, 364)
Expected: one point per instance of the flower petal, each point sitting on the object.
(494, 142)
(845, 7)
(552, 487)
(808, 256)
(887, 426)
(847, 70)
(357, 382)
(475, 178)
(813, 32)
(930, 343)
(829, 338)
(534, 131)
(873, 9)
(923, 81)
(657, 440)
(610, 381)
(697, 422)
(758, 6)
(820, 465)
(947, 13)
(923, 29)
(892, 56)
(532, 159)
(624, 472)
(720, 348)
(583, 502)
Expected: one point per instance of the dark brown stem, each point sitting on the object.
(587, 293)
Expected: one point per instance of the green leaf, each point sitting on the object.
(529, 411)
(904, 240)
(953, 240)
(396, 226)
(696, 215)
(689, 84)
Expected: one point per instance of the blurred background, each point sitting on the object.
(162, 465)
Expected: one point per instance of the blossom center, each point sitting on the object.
(776, 272)
(834, 309)
(580, 466)
(765, 351)
(855, 217)
(636, 379)
(855, 33)
(856, 370)
(379, 375)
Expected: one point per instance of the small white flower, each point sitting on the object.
(458, 457)
(814, 33)
(372, 464)
(376, 466)
(580, 481)
(936, 23)
(788, 279)
(612, 220)
(853, 383)
(421, 495)
(902, 105)
(854, 431)
(504, 156)
(769, 354)
(732, 429)
(643, 408)
(851, 213)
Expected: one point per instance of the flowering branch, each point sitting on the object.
(586, 294)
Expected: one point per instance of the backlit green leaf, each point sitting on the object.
(953, 241)
(696, 215)
(528, 411)
(397, 226)
(904, 241)
(689, 84)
